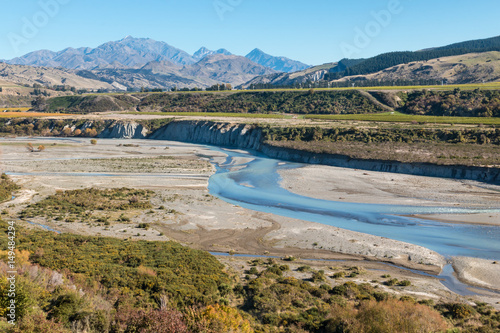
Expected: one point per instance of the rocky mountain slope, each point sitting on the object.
(280, 64)
(212, 69)
(128, 52)
(203, 52)
(311, 74)
(223, 68)
(134, 53)
(134, 63)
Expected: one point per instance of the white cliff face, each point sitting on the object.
(483, 174)
(122, 130)
(207, 132)
(246, 136)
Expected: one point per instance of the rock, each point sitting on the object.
(124, 130)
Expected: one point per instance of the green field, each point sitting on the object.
(214, 114)
(397, 117)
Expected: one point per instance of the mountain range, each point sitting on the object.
(134, 63)
(132, 52)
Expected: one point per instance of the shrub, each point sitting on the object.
(460, 310)
(391, 282)
(253, 271)
(158, 321)
(318, 276)
(38, 323)
(386, 316)
(404, 283)
(304, 269)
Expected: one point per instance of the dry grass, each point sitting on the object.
(22, 114)
(14, 109)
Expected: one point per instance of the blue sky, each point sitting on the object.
(313, 32)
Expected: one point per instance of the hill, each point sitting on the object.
(390, 59)
(301, 102)
(296, 79)
(348, 69)
(47, 76)
(461, 69)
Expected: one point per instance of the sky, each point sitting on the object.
(314, 31)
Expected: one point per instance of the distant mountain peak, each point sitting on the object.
(256, 50)
(281, 64)
(204, 52)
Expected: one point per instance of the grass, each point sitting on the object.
(215, 114)
(396, 117)
(23, 114)
(19, 109)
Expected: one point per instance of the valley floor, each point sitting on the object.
(178, 174)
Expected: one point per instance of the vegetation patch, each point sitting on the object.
(263, 102)
(78, 205)
(380, 134)
(396, 117)
(7, 186)
(30, 126)
(69, 283)
(475, 103)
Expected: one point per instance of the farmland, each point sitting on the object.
(397, 117)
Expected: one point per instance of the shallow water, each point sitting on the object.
(255, 185)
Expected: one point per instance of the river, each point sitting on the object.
(256, 185)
